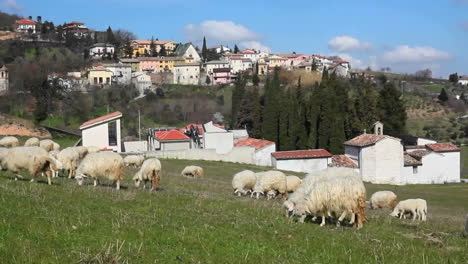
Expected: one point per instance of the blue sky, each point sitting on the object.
(406, 35)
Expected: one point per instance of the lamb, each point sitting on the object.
(47, 144)
(243, 182)
(69, 157)
(82, 151)
(33, 159)
(32, 142)
(292, 182)
(192, 171)
(383, 199)
(149, 171)
(9, 142)
(417, 207)
(134, 160)
(109, 165)
(270, 180)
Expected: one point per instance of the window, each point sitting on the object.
(107, 80)
(112, 132)
(95, 80)
(100, 79)
(415, 169)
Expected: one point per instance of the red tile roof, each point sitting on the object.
(253, 142)
(342, 161)
(26, 22)
(101, 119)
(302, 154)
(418, 154)
(443, 147)
(366, 140)
(171, 135)
(411, 161)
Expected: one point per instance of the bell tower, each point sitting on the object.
(3, 79)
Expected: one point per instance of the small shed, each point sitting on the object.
(102, 132)
(308, 161)
(171, 140)
(263, 149)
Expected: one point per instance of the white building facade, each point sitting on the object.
(307, 161)
(121, 73)
(187, 73)
(102, 132)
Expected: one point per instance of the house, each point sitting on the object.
(240, 65)
(220, 49)
(187, 51)
(25, 26)
(341, 68)
(159, 64)
(134, 63)
(142, 81)
(102, 132)
(100, 76)
(221, 76)
(144, 46)
(215, 64)
(261, 67)
(217, 138)
(263, 149)
(463, 80)
(78, 29)
(4, 79)
(187, 73)
(308, 161)
(276, 61)
(121, 73)
(101, 49)
(170, 140)
(162, 77)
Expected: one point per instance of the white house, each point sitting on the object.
(187, 51)
(263, 149)
(308, 161)
(240, 64)
(217, 138)
(102, 132)
(121, 73)
(170, 140)
(220, 49)
(187, 73)
(142, 81)
(215, 64)
(25, 26)
(341, 68)
(463, 80)
(99, 49)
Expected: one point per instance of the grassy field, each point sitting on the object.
(200, 221)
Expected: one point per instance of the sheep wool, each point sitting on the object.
(383, 199)
(149, 171)
(134, 160)
(193, 171)
(106, 164)
(9, 142)
(47, 144)
(82, 151)
(69, 157)
(416, 207)
(32, 142)
(92, 149)
(243, 181)
(3, 152)
(292, 182)
(270, 180)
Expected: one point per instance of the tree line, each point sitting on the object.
(320, 116)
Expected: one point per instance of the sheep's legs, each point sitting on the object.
(117, 185)
(353, 218)
(95, 182)
(323, 220)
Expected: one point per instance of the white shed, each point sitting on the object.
(308, 161)
(216, 137)
(171, 140)
(263, 149)
(102, 132)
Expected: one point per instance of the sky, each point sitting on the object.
(405, 35)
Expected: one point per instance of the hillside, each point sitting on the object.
(200, 221)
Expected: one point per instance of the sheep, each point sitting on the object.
(270, 180)
(9, 142)
(33, 159)
(134, 160)
(101, 164)
(92, 149)
(32, 142)
(341, 191)
(417, 208)
(82, 151)
(69, 157)
(149, 171)
(3, 152)
(192, 171)
(243, 182)
(383, 199)
(292, 182)
(56, 146)
(47, 144)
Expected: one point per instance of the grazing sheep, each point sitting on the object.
(101, 164)
(92, 149)
(47, 144)
(33, 159)
(416, 207)
(134, 160)
(342, 190)
(82, 151)
(270, 180)
(3, 152)
(292, 182)
(32, 142)
(243, 182)
(192, 171)
(149, 171)
(69, 157)
(383, 199)
(9, 142)
(56, 146)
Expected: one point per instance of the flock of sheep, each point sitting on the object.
(332, 192)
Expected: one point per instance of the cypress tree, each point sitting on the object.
(365, 106)
(313, 116)
(204, 50)
(236, 49)
(153, 52)
(391, 109)
(443, 95)
(110, 38)
(256, 114)
(270, 128)
(237, 94)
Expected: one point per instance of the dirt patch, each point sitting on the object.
(21, 127)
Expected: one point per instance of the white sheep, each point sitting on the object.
(47, 144)
(149, 171)
(33, 159)
(134, 160)
(32, 142)
(416, 207)
(82, 151)
(292, 182)
(243, 182)
(101, 164)
(192, 171)
(9, 142)
(92, 149)
(3, 152)
(69, 157)
(383, 199)
(270, 180)
(56, 146)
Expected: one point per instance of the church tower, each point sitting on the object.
(3, 79)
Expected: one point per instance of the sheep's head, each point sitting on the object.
(257, 194)
(80, 178)
(271, 194)
(395, 213)
(137, 179)
(289, 208)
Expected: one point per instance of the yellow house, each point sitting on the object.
(100, 75)
(159, 64)
(276, 61)
(141, 46)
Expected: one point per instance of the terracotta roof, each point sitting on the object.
(418, 154)
(253, 142)
(101, 119)
(366, 140)
(161, 59)
(171, 135)
(302, 154)
(342, 161)
(416, 147)
(26, 22)
(443, 147)
(410, 161)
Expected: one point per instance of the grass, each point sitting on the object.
(200, 221)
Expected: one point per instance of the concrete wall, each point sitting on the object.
(263, 156)
(367, 163)
(221, 142)
(452, 161)
(135, 146)
(98, 136)
(389, 162)
(301, 165)
(178, 145)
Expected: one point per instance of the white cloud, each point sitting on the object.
(252, 44)
(223, 32)
(12, 5)
(348, 43)
(355, 63)
(415, 55)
